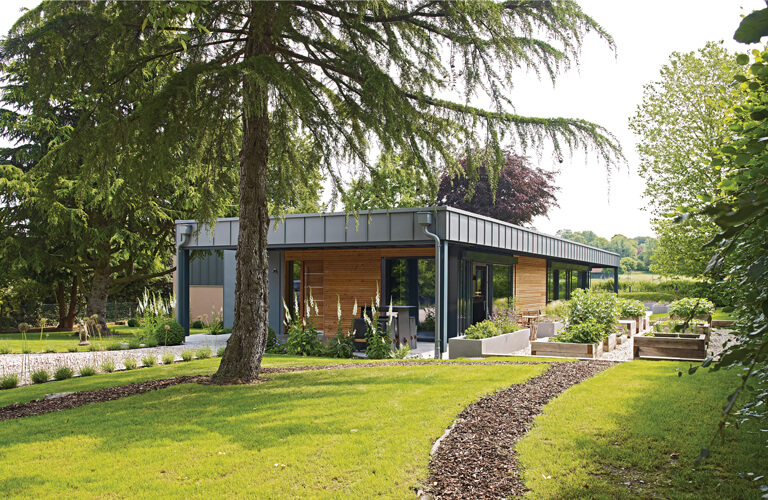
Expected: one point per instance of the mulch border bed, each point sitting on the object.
(475, 458)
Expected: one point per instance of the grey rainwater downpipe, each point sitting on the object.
(425, 220)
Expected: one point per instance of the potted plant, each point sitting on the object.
(552, 321)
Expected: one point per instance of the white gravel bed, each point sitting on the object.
(24, 364)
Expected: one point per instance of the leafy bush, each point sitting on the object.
(482, 330)
(5, 348)
(72, 348)
(169, 333)
(340, 346)
(629, 308)
(87, 371)
(220, 351)
(133, 322)
(303, 341)
(226, 331)
(271, 339)
(216, 328)
(9, 381)
(115, 346)
(203, 352)
(130, 364)
(169, 359)
(94, 348)
(402, 351)
(603, 308)
(108, 366)
(149, 360)
(151, 342)
(26, 350)
(504, 319)
(588, 332)
(187, 355)
(198, 325)
(134, 343)
(40, 376)
(63, 373)
(691, 307)
(648, 296)
(49, 349)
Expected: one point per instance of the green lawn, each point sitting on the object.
(625, 424)
(355, 433)
(63, 341)
(718, 315)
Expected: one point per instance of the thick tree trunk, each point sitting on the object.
(97, 299)
(67, 311)
(241, 362)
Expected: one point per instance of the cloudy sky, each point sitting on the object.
(605, 89)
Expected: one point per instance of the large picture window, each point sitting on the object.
(411, 282)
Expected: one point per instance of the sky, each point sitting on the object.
(606, 89)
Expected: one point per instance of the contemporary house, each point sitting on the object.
(445, 268)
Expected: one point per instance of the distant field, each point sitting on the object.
(636, 277)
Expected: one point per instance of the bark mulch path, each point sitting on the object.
(475, 458)
(65, 401)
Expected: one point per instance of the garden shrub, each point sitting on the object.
(72, 348)
(130, 364)
(220, 351)
(303, 341)
(115, 346)
(187, 355)
(271, 339)
(49, 349)
(151, 342)
(482, 330)
(198, 324)
(169, 359)
(630, 308)
(601, 307)
(87, 371)
(9, 381)
(108, 366)
(63, 373)
(26, 350)
(149, 361)
(691, 307)
(40, 376)
(504, 320)
(340, 346)
(588, 332)
(5, 348)
(134, 343)
(402, 351)
(93, 348)
(133, 322)
(172, 335)
(203, 353)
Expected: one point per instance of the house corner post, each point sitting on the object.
(616, 280)
(182, 294)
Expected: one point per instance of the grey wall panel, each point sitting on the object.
(206, 270)
(335, 231)
(378, 227)
(402, 226)
(359, 234)
(463, 228)
(221, 233)
(294, 230)
(453, 226)
(314, 230)
(204, 237)
(480, 233)
(472, 231)
(235, 231)
(276, 235)
(229, 288)
(276, 292)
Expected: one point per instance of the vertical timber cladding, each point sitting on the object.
(531, 283)
(352, 273)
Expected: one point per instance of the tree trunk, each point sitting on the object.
(241, 362)
(97, 299)
(67, 312)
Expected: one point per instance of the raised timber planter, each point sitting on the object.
(628, 326)
(609, 343)
(621, 338)
(565, 349)
(670, 346)
(506, 344)
(549, 329)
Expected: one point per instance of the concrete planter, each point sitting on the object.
(565, 349)
(506, 344)
(549, 329)
(670, 346)
(609, 343)
(660, 309)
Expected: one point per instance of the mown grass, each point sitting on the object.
(719, 314)
(356, 433)
(64, 341)
(625, 425)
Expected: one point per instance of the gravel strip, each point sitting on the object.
(476, 458)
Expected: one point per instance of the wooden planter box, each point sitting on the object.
(549, 329)
(621, 338)
(722, 323)
(504, 345)
(628, 326)
(670, 346)
(638, 323)
(565, 349)
(609, 343)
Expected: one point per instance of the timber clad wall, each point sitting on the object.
(352, 274)
(531, 283)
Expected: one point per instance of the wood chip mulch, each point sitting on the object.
(475, 458)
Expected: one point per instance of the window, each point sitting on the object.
(502, 287)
